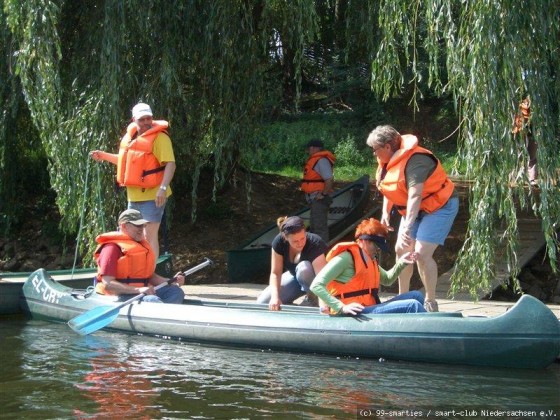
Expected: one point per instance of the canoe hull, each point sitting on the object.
(527, 336)
(11, 283)
(250, 262)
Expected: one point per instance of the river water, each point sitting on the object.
(47, 371)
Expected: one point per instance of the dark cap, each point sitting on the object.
(380, 241)
(132, 216)
(314, 143)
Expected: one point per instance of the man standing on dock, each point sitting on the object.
(317, 184)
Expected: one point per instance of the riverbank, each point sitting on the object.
(224, 224)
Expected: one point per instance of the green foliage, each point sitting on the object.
(493, 53)
(201, 65)
(71, 71)
(348, 153)
(280, 146)
(282, 143)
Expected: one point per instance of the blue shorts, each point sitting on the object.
(434, 227)
(148, 210)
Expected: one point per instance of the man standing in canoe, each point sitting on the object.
(413, 182)
(126, 262)
(317, 184)
(145, 166)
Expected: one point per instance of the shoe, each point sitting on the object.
(431, 306)
(310, 300)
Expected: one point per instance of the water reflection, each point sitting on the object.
(51, 372)
(117, 382)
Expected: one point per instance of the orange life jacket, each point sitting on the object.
(136, 265)
(136, 165)
(364, 286)
(312, 181)
(521, 119)
(437, 188)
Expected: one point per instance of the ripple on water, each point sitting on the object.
(52, 372)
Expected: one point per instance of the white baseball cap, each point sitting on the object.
(141, 110)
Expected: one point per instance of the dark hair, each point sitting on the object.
(289, 225)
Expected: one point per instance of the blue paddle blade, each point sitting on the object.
(94, 319)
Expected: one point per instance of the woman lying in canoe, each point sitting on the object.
(296, 256)
(349, 283)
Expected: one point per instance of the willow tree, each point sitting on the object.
(209, 67)
(201, 65)
(487, 54)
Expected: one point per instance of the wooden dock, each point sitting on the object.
(531, 241)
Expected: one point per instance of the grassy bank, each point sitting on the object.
(279, 146)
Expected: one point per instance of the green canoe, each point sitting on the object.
(526, 336)
(250, 261)
(80, 278)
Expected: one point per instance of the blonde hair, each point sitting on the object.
(280, 221)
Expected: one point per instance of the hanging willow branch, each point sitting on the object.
(201, 65)
(494, 52)
(210, 67)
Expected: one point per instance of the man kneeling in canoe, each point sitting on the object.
(349, 283)
(126, 264)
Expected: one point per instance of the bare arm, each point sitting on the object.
(413, 205)
(329, 186)
(116, 287)
(100, 155)
(386, 211)
(404, 241)
(168, 173)
(157, 279)
(276, 266)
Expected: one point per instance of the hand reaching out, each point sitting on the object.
(409, 257)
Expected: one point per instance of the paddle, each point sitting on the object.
(99, 317)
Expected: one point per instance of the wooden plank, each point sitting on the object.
(531, 241)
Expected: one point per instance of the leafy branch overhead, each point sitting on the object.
(71, 71)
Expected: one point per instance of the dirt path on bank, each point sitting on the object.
(231, 221)
(234, 218)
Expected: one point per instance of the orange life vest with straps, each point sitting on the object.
(312, 181)
(136, 165)
(521, 120)
(364, 286)
(392, 184)
(136, 265)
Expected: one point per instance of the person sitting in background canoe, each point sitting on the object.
(296, 256)
(126, 263)
(349, 282)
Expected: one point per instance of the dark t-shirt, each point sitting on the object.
(419, 168)
(314, 246)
